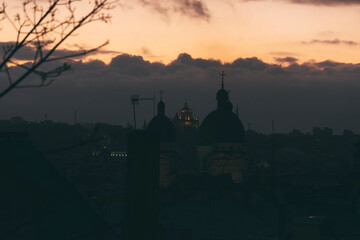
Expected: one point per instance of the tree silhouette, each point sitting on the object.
(42, 30)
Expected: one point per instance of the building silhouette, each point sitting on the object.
(221, 140)
(38, 202)
(186, 118)
(142, 187)
(215, 148)
(162, 128)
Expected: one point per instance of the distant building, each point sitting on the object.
(162, 127)
(221, 140)
(118, 154)
(325, 132)
(186, 118)
(216, 147)
(312, 228)
(186, 124)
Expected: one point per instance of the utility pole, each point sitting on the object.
(273, 148)
(154, 105)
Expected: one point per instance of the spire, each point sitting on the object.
(222, 96)
(161, 104)
(186, 106)
(161, 94)
(222, 75)
(161, 108)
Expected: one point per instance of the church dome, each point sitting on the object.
(161, 126)
(221, 125)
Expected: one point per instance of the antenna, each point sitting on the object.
(153, 104)
(135, 100)
(273, 147)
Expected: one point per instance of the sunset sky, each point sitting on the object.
(159, 30)
(227, 30)
(292, 61)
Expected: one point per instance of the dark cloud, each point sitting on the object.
(191, 8)
(184, 60)
(134, 65)
(156, 6)
(296, 96)
(319, 2)
(331, 42)
(328, 63)
(146, 51)
(283, 53)
(326, 2)
(253, 64)
(286, 60)
(27, 53)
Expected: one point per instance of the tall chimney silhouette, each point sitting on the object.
(143, 186)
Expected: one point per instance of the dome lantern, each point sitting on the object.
(160, 125)
(221, 125)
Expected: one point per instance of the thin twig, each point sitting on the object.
(95, 10)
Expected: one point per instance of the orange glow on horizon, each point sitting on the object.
(262, 29)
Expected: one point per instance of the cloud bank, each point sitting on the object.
(286, 59)
(327, 2)
(28, 52)
(297, 96)
(319, 2)
(332, 42)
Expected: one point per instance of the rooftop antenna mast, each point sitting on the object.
(273, 150)
(154, 105)
(135, 100)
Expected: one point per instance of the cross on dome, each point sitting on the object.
(161, 94)
(222, 75)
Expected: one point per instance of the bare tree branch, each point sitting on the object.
(83, 52)
(44, 31)
(19, 45)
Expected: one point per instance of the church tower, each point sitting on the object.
(186, 118)
(162, 127)
(221, 140)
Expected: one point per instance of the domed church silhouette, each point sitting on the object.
(163, 128)
(221, 140)
(220, 148)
